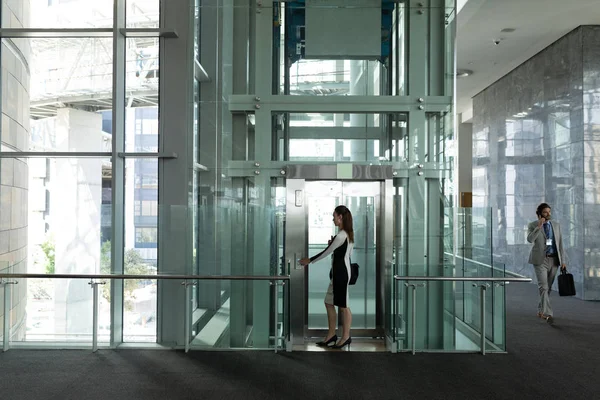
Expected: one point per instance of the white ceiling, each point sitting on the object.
(537, 24)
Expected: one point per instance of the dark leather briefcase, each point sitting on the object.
(566, 285)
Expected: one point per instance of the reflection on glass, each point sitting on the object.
(197, 18)
(318, 59)
(336, 78)
(468, 253)
(143, 13)
(341, 137)
(140, 252)
(75, 71)
(141, 120)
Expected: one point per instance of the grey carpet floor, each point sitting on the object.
(544, 362)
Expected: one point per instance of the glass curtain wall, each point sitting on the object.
(79, 165)
(129, 147)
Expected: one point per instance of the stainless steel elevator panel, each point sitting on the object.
(295, 248)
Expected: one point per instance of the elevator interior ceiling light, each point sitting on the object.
(463, 73)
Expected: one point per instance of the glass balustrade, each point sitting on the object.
(446, 314)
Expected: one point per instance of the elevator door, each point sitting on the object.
(309, 226)
(322, 197)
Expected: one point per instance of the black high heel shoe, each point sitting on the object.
(347, 342)
(324, 343)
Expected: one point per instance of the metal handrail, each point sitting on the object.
(470, 260)
(96, 279)
(163, 276)
(483, 287)
(459, 279)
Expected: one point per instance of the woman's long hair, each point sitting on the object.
(346, 221)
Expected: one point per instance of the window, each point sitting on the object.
(146, 237)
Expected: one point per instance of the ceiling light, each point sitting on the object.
(463, 73)
(508, 30)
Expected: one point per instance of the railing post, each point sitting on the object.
(395, 315)
(413, 328)
(7, 303)
(94, 286)
(482, 292)
(187, 317)
(275, 314)
(414, 318)
(286, 307)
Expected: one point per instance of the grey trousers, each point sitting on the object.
(545, 274)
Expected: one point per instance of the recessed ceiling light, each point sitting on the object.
(463, 73)
(508, 30)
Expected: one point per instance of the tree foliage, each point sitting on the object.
(48, 249)
(133, 265)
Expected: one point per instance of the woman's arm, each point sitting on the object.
(337, 241)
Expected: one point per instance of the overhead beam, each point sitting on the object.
(335, 104)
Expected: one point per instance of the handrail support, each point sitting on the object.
(482, 291)
(7, 303)
(94, 284)
(187, 326)
(413, 328)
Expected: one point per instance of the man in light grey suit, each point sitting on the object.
(546, 255)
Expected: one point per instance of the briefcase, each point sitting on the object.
(566, 285)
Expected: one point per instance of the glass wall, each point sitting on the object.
(340, 137)
(148, 142)
(68, 122)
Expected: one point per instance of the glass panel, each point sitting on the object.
(143, 13)
(450, 47)
(330, 137)
(55, 213)
(197, 19)
(322, 197)
(71, 79)
(395, 316)
(336, 78)
(363, 55)
(360, 198)
(141, 242)
(235, 314)
(460, 317)
(58, 310)
(228, 327)
(142, 80)
(139, 303)
(57, 14)
(196, 127)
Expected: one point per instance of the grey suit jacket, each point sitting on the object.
(537, 236)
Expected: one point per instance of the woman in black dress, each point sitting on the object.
(337, 294)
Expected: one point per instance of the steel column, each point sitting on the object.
(118, 176)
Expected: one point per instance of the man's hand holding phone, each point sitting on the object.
(541, 221)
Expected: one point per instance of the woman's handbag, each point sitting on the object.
(353, 273)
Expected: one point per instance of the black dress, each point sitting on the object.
(339, 276)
